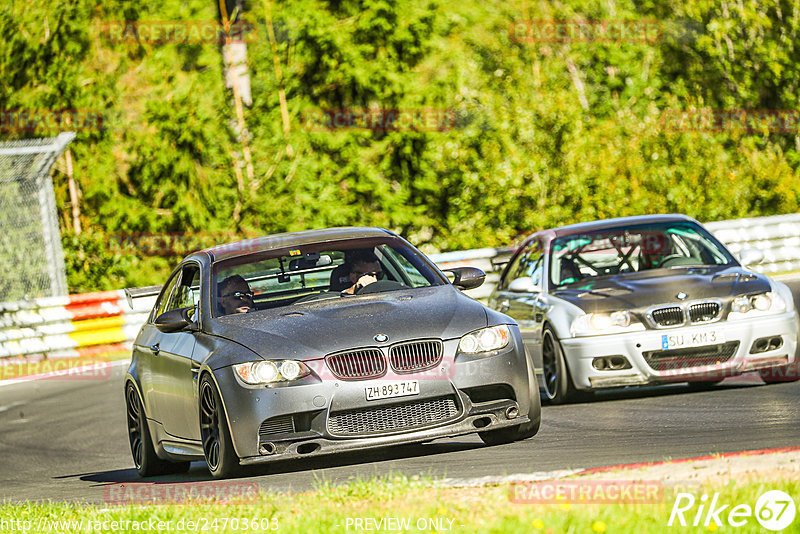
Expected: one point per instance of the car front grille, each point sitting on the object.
(668, 360)
(393, 418)
(282, 424)
(415, 356)
(357, 364)
(704, 312)
(668, 316)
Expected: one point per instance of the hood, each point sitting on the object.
(660, 286)
(311, 330)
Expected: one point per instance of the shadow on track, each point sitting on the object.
(663, 390)
(199, 472)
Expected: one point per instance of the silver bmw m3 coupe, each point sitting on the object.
(644, 300)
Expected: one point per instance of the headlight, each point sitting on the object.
(485, 340)
(271, 371)
(604, 323)
(764, 303)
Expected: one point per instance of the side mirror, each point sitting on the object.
(177, 319)
(467, 277)
(750, 256)
(524, 284)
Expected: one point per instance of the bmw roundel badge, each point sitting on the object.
(380, 338)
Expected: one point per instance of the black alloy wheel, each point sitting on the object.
(558, 388)
(144, 455)
(220, 457)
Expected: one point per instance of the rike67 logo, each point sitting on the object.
(774, 510)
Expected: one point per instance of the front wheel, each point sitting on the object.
(558, 388)
(525, 430)
(218, 450)
(510, 434)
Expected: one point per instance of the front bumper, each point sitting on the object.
(489, 392)
(581, 352)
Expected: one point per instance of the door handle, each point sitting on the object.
(504, 306)
(155, 348)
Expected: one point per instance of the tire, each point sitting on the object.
(501, 436)
(510, 434)
(147, 463)
(218, 449)
(558, 388)
(777, 375)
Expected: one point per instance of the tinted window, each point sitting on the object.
(294, 275)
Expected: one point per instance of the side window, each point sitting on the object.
(534, 269)
(161, 305)
(188, 290)
(528, 263)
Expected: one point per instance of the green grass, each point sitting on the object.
(335, 508)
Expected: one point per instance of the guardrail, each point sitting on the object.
(63, 327)
(778, 237)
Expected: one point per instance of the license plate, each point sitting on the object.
(697, 338)
(388, 390)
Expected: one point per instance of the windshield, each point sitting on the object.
(318, 271)
(629, 249)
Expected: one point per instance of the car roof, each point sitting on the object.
(289, 239)
(612, 223)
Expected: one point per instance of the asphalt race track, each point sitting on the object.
(66, 439)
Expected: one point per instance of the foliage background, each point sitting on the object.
(546, 133)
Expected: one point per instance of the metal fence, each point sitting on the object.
(67, 326)
(31, 257)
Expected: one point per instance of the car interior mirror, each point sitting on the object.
(524, 284)
(177, 319)
(466, 277)
(751, 256)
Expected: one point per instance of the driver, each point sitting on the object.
(235, 295)
(365, 269)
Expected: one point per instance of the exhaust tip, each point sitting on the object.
(512, 412)
(266, 448)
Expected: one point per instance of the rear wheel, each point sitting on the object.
(220, 457)
(558, 388)
(144, 455)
